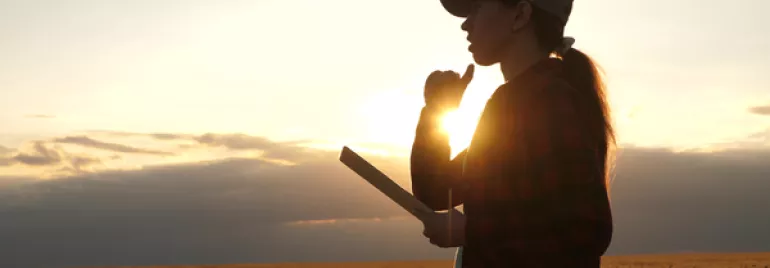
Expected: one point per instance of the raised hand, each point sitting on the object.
(445, 89)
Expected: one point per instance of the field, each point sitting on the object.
(743, 260)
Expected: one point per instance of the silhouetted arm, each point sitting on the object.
(432, 170)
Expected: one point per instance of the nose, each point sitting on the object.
(466, 25)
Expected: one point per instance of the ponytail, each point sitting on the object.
(581, 72)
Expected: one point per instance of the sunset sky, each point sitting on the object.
(681, 75)
(89, 87)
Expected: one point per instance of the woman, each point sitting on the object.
(533, 181)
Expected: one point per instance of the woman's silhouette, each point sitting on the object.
(534, 180)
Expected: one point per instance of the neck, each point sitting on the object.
(517, 59)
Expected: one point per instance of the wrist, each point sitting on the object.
(430, 123)
(438, 109)
(444, 105)
(432, 115)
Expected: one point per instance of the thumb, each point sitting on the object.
(468, 75)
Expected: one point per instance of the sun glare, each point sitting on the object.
(390, 116)
(460, 124)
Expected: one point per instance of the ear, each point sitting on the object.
(521, 15)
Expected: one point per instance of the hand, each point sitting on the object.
(445, 89)
(444, 229)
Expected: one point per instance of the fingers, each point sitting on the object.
(433, 79)
(443, 76)
(468, 75)
(435, 235)
(438, 241)
(446, 88)
(440, 77)
(433, 238)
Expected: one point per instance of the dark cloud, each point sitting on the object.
(40, 116)
(234, 141)
(236, 183)
(245, 210)
(89, 142)
(168, 136)
(42, 155)
(80, 163)
(233, 210)
(669, 202)
(760, 110)
(11, 181)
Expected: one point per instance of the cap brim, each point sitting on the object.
(458, 8)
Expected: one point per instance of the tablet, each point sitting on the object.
(383, 183)
(379, 180)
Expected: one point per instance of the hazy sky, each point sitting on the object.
(680, 74)
(100, 92)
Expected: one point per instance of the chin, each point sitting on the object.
(484, 57)
(484, 60)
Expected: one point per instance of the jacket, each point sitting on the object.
(531, 181)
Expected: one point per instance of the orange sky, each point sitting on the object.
(350, 72)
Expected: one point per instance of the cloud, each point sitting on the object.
(157, 136)
(82, 163)
(760, 110)
(236, 141)
(89, 142)
(291, 151)
(168, 136)
(288, 151)
(43, 154)
(663, 201)
(51, 156)
(40, 116)
(755, 141)
(225, 211)
(234, 183)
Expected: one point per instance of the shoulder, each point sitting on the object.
(558, 96)
(553, 101)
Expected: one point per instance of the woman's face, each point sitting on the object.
(491, 26)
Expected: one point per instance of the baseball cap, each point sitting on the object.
(558, 8)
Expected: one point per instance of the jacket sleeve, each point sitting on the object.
(432, 170)
(554, 207)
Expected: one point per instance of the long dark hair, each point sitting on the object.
(583, 74)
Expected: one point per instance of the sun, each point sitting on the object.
(390, 116)
(460, 125)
